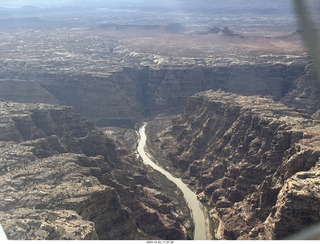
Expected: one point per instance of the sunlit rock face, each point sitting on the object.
(61, 178)
(253, 160)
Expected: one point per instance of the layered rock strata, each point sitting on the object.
(63, 179)
(133, 93)
(303, 94)
(253, 160)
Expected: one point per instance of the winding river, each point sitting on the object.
(190, 197)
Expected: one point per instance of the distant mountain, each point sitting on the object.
(20, 21)
(188, 5)
(208, 6)
(24, 10)
(249, 5)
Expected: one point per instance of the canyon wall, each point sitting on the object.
(133, 93)
(254, 161)
(304, 93)
(61, 178)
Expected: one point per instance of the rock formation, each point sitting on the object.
(123, 77)
(211, 30)
(304, 93)
(253, 160)
(63, 179)
(25, 91)
(133, 93)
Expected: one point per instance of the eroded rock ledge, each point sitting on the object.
(60, 178)
(254, 161)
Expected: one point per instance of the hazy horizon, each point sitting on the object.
(37, 3)
(243, 4)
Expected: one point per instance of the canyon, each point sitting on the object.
(232, 105)
(110, 92)
(64, 179)
(254, 161)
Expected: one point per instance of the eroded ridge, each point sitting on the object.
(63, 179)
(253, 160)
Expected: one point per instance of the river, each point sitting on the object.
(190, 197)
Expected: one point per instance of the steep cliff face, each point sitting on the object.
(117, 96)
(135, 92)
(63, 179)
(304, 93)
(25, 91)
(255, 162)
(174, 87)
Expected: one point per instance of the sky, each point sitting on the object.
(194, 5)
(48, 3)
(39, 3)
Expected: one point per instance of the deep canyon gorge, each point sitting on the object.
(234, 112)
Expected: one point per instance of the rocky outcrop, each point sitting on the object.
(22, 122)
(255, 161)
(63, 179)
(225, 32)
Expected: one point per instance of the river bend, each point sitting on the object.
(190, 197)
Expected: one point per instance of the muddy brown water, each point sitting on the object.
(191, 198)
